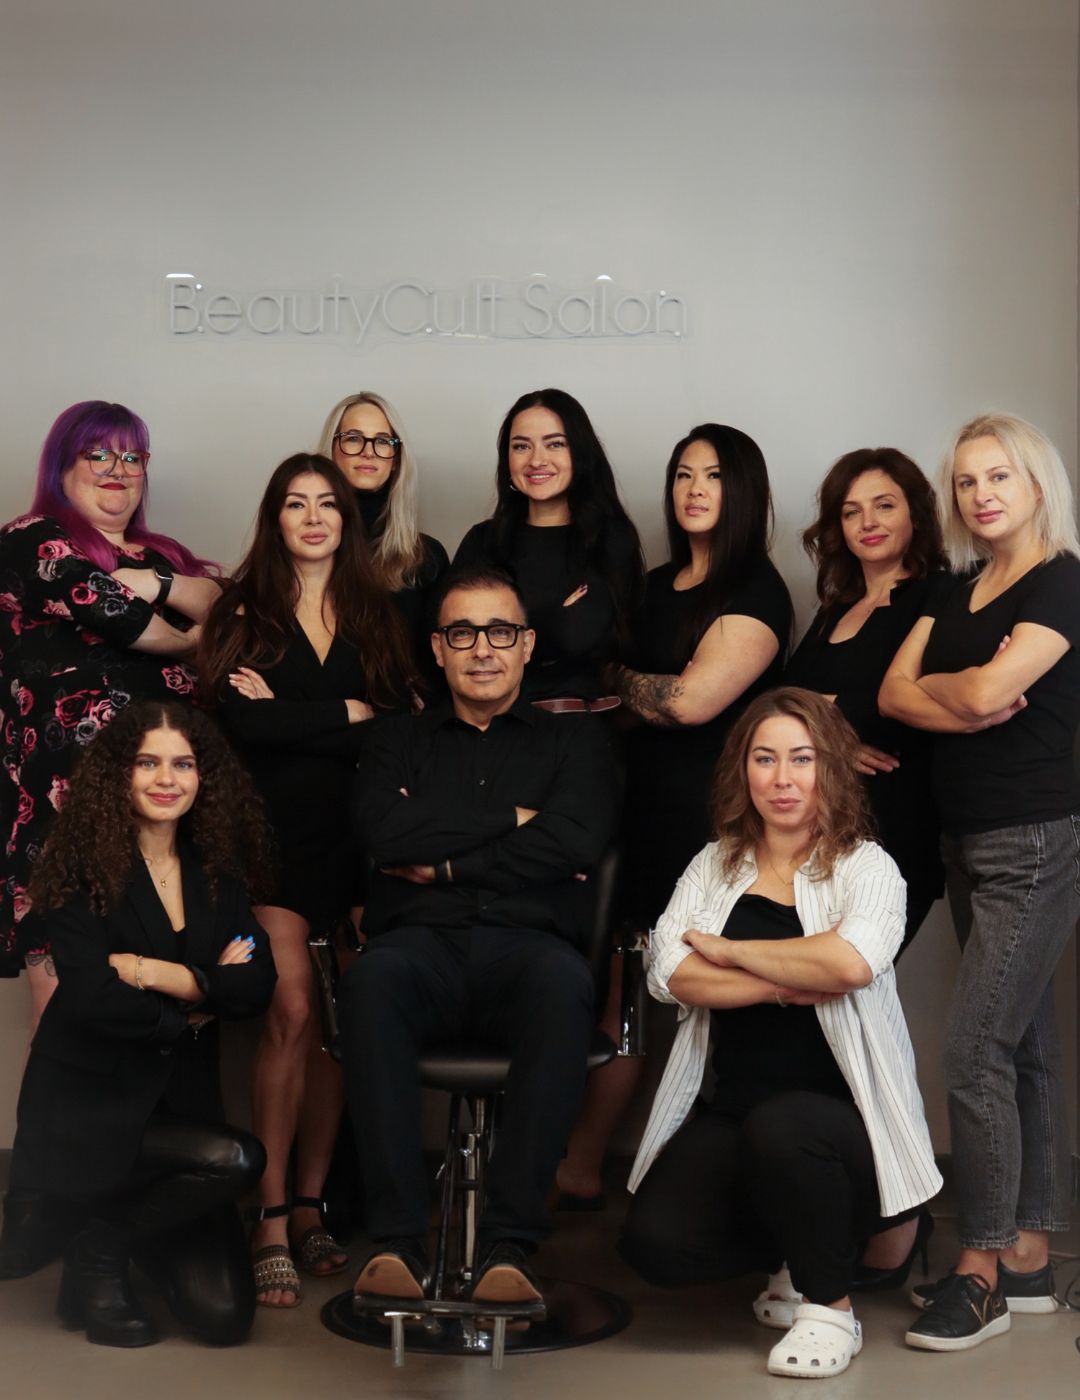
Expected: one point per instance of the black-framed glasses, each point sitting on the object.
(353, 444)
(460, 636)
(102, 462)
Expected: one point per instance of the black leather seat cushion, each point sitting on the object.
(475, 1070)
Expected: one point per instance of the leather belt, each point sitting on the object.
(571, 705)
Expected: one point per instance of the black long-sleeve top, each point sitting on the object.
(572, 643)
(463, 785)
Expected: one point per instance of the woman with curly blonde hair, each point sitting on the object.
(144, 889)
(778, 944)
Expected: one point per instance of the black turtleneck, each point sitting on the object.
(372, 506)
(412, 602)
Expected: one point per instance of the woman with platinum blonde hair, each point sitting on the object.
(994, 672)
(364, 436)
(777, 947)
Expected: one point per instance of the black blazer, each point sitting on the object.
(106, 1054)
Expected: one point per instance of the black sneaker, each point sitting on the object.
(395, 1268)
(1033, 1292)
(965, 1312)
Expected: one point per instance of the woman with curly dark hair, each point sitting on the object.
(143, 889)
(877, 544)
(302, 648)
(815, 1135)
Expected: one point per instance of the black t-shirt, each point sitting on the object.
(768, 1049)
(853, 671)
(670, 767)
(1023, 770)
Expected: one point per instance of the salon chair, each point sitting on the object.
(570, 1314)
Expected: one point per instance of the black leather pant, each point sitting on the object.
(176, 1216)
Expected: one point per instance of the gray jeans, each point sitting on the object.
(1015, 899)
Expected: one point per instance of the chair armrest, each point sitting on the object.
(322, 948)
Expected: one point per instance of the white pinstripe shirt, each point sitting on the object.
(865, 900)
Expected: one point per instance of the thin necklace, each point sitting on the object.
(788, 883)
(163, 880)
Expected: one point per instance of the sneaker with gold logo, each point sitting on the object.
(966, 1311)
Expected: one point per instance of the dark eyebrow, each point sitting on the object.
(491, 622)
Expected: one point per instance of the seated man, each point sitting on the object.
(481, 815)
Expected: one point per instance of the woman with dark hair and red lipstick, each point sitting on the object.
(97, 611)
(877, 545)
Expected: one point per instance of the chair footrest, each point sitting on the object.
(373, 1303)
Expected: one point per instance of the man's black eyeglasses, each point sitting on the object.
(462, 635)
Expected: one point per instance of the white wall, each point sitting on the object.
(869, 207)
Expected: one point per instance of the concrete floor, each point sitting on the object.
(698, 1342)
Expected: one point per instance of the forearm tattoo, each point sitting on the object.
(654, 698)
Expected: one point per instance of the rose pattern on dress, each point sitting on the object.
(179, 679)
(66, 634)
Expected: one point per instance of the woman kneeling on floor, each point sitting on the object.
(780, 938)
(143, 892)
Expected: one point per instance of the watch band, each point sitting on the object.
(165, 583)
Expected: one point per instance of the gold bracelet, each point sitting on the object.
(138, 973)
(779, 999)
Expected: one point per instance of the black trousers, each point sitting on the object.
(793, 1181)
(177, 1218)
(520, 991)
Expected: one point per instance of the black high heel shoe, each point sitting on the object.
(95, 1295)
(867, 1279)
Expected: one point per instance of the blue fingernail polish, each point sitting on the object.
(236, 939)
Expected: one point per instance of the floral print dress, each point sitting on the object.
(66, 667)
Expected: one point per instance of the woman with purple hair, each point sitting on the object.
(95, 611)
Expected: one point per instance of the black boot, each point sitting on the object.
(95, 1293)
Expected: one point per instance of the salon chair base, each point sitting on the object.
(571, 1315)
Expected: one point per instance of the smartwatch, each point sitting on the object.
(164, 577)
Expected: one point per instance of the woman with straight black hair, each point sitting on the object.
(561, 531)
(712, 633)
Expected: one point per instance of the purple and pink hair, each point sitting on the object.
(79, 429)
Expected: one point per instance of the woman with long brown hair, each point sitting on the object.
(144, 888)
(777, 945)
(880, 560)
(302, 648)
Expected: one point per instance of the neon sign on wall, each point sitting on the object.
(485, 309)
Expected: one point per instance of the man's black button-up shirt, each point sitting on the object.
(463, 785)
